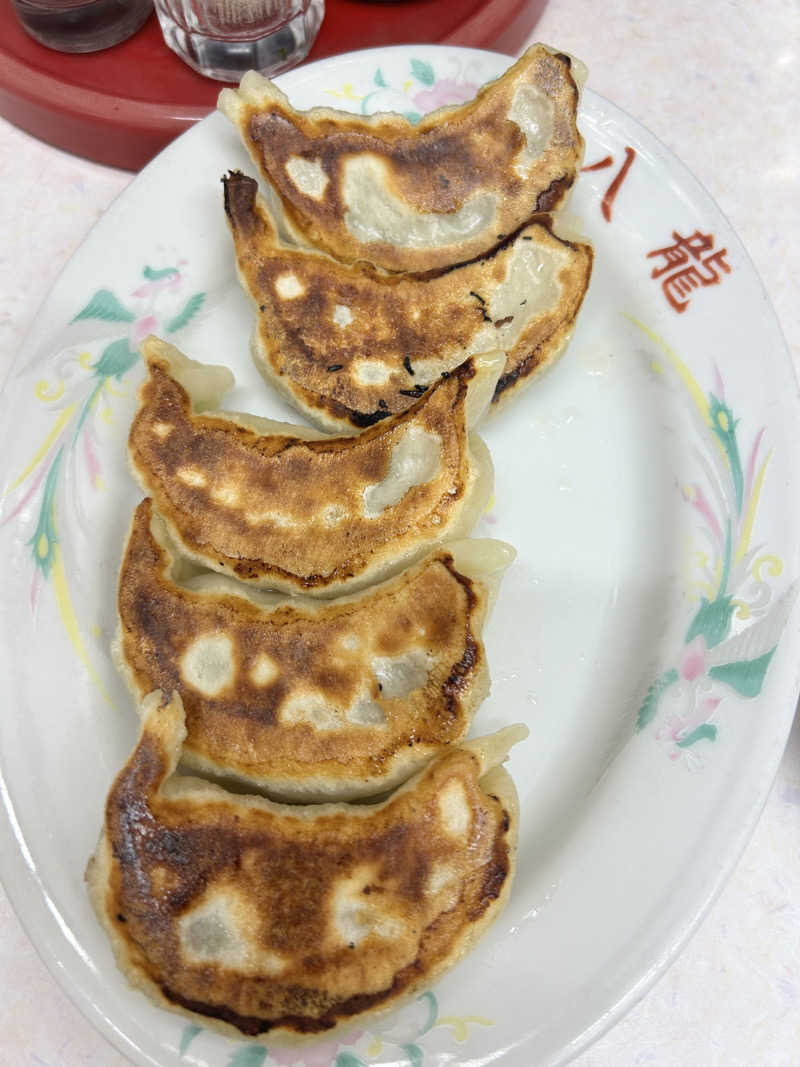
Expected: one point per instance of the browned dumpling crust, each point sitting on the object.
(310, 700)
(345, 343)
(262, 917)
(287, 508)
(416, 197)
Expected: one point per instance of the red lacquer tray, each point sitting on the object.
(122, 105)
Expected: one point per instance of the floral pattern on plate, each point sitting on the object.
(424, 89)
(728, 575)
(397, 1034)
(81, 396)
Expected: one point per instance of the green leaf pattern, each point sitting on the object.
(433, 1012)
(415, 1055)
(187, 313)
(45, 538)
(105, 307)
(724, 427)
(187, 1037)
(712, 621)
(348, 1059)
(746, 677)
(250, 1056)
(151, 275)
(423, 71)
(705, 732)
(647, 712)
(116, 360)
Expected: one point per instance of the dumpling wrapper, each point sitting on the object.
(338, 341)
(254, 917)
(415, 197)
(310, 700)
(285, 507)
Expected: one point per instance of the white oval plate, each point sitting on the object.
(646, 632)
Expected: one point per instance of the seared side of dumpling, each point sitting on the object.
(258, 917)
(311, 700)
(345, 343)
(414, 197)
(287, 508)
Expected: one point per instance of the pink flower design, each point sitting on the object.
(141, 328)
(314, 1056)
(444, 91)
(707, 707)
(693, 664)
(92, 462)
(670, 729)
(677, 727)
(159, 285)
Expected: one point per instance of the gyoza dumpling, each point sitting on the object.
(256, 917)
(337, 339)
(411, 197)
(310, 699)
(288, 508)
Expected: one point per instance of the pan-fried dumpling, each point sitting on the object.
(285, 507)
(255, 917)
(310, 699)
(411, 197)
(337, 339)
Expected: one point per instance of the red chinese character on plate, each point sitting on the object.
(614, 187)
(686, 268)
